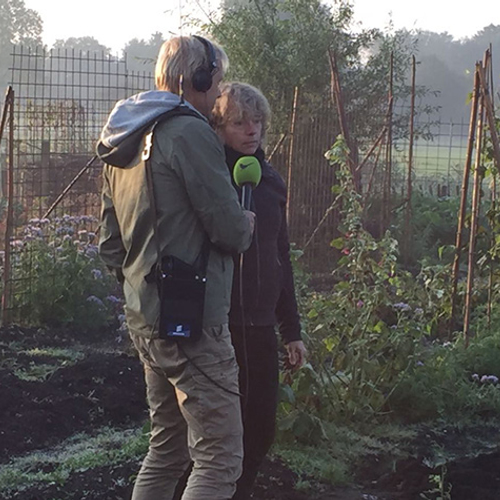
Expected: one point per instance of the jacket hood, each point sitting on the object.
(122, 135)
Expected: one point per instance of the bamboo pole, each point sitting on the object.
(6, 293)
(463, 197)
(338, 100)
(493, 202)
(410, 164)
(372, 149)
(493, 208)
(5, 110)
(372, 175)
(3, 120)
(69, 186)
(491, 118)
(277, 146)
(478, 175)
(387, 181)
(290, 155)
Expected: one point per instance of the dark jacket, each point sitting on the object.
(194, 199)
(268, 288)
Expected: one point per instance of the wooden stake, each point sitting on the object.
(338, 100)
(493, 204)
(463, 197)
(6, 294)
(387, 181)
(290, 155)
(476, 194)
(3, 121)
(278, 144)
(410, 164)
(491, 117)
(372, 175)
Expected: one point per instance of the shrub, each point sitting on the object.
(59, 279)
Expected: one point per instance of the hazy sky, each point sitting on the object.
(113, 23)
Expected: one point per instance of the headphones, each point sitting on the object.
(202, 76)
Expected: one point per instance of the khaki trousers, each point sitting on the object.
(195, 417)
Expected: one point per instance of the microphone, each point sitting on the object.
(247, 174)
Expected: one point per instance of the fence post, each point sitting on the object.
(6, 292)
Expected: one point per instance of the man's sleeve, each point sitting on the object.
(111, 248)
(199, 159)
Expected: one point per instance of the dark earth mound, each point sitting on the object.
(104, 386)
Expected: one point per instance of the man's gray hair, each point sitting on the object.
(183, 55)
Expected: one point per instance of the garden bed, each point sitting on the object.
(72, 418)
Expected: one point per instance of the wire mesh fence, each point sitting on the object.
(63, 98)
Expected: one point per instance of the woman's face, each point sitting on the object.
(242, 135)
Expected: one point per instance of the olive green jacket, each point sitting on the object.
(194, 199)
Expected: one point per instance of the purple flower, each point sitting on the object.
(475, 377)
(402, 306)
(484, 379)
(91, 251)
(113, 299)
(360, 304)
(419, 363)
(96, 300)
(97, 274)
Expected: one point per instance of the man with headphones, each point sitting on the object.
(167, 194)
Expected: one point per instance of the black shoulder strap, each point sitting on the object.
(202, 259)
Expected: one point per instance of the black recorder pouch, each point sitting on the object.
(181, 288)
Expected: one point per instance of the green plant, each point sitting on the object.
(58, 277)
(441, 490)
(365, 334)
(376, 340)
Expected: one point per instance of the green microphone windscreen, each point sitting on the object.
(247, 171)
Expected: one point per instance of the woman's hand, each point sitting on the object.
(296, 353)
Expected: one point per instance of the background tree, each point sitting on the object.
(85, 44)
(279, 44)
(447, 66)
(18, 25)
(141, 54)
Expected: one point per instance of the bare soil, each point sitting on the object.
(105, 387)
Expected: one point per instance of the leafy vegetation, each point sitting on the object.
(379, 342)
(60, 279)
